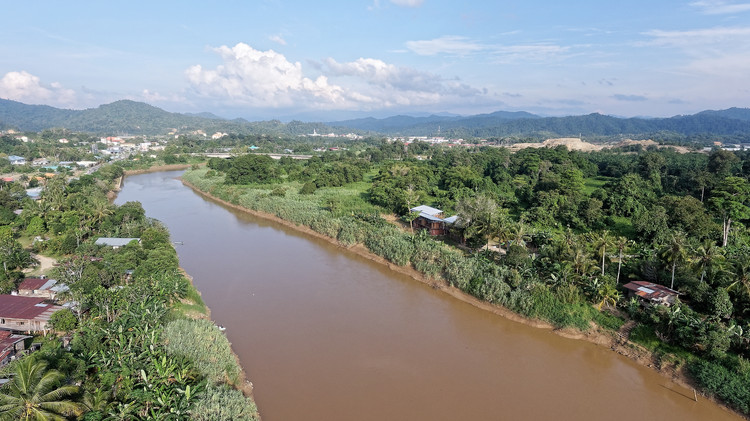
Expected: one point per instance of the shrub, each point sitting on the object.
(223, 403)
(201, 342)
(308, 188)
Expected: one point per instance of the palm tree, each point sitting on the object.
(674, 251)
(33, 394)
(707, 256)
(608, 295)
(602, 240)
(621, 243)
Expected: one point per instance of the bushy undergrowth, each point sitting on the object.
(200, 341)
(223, 403)
(731, 385)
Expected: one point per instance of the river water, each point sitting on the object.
(326, 335)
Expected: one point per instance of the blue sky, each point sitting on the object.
(329, 59)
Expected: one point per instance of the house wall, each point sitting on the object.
(25, 325)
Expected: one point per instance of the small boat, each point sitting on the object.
(221, 328)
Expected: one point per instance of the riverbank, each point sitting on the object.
(615, 341)
(193, 307)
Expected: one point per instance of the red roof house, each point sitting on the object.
(10, 345)
(25, 314)
(651, 292)
(42, 288)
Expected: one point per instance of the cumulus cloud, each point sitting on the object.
(720, 7)
(25, 87)
(268, 79)
(261, 78)
(388, 76)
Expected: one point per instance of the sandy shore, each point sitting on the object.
(615, 341)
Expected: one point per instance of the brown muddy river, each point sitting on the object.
(325, 335)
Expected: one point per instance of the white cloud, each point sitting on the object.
(277, 39)
(408, 3)
(447, 44)
(720, 7)
(248, 77)
(720, 51)
(727, 36)
(402, 79)
(25, 87)
(153, 97)
(461, 46)
(261, 78)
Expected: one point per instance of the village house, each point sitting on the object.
(431, 219)
(115, 243)
(651, 293)
(16, 160)
(41, 288)
(25, 314)
(40, 162)
(11, 344)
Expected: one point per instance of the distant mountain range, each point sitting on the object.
(130, 117)
(730, 122)
(137, 118)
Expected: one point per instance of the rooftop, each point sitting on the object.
(114, 242)
(15, 307)
(650, 290)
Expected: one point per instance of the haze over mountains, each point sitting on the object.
(130, 117)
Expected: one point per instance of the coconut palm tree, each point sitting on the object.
(621, 243)
(675, 251)
(601, 241)
(34, 394)
(707, 256)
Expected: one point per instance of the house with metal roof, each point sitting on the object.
(431, 219)
(115, 242)
(25, 314)
(651, 293)
(40, 287)
(11, 344)
(16, 160)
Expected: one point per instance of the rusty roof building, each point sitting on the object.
(25, 314)
(651, 292)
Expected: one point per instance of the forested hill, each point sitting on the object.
(130, 117)
(137, 118)
(731, 122)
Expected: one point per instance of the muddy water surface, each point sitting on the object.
(326, 335)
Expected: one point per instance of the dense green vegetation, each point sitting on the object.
(570, 229)
(136, 350)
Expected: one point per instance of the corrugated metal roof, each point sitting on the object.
(32, 283)
(114, 242)
(430, 217)
(650, 290)
(15, 307)
(427, 210)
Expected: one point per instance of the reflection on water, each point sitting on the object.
(327, 335)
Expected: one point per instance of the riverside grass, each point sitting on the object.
(342, 213)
